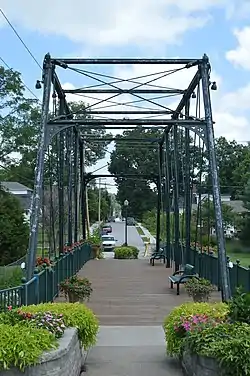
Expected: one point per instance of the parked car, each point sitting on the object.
(131, 221)
(108, 243)
(106, 229)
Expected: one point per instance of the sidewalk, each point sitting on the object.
(131, 351)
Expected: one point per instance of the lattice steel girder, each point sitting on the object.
(124, 91)
(121, 139)
(104, 122)
(69, 61)
(127, 113)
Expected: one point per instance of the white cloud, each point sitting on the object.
(113, 22)
(240, 56)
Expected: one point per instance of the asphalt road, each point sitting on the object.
(118, 231)
(134, 239)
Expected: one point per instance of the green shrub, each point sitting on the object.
(128, 252)
(239, 307)
(140, 230)
(74, 315)
(10, 276)
(21, 346)
(173, 340)
(228, 343)
(14, 231)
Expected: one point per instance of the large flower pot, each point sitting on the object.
(201, 298)
(96, 250)
(73, 298)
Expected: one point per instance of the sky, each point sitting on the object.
(137, 28)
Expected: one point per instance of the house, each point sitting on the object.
(22, 193)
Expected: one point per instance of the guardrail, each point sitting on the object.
(44, 286)
(206, 264)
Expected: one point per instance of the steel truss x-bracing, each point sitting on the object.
(102, 114)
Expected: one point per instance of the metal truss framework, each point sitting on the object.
(65, 120)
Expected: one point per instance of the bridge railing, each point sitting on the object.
(44, 286)
(206, 264)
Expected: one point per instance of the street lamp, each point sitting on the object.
(126, 222)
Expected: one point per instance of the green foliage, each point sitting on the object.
(10, 276)
(93, 199)
(95, 238)
(200, 289)
(14, 232)
(77, 286)
(228, 343)
(21, 346)
(74, 315)
(128, 253)
(239, 307)
(173, 340)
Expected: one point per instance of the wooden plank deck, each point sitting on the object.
(131, 292)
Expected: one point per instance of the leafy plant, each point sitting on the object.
(228, 343)
(239, 307)
(10, 276)
(200, 289)
(78, 287)
(174, 341)
(95, 238)
(21, 346)
(74, 315)
(126, 252)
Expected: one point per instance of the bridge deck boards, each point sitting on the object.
(131, 292)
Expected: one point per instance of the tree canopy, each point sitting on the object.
(14, 231)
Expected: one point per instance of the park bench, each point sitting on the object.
(157, 255)
(182, 276)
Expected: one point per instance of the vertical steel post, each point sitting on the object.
(159, 191)
(76, 186)
(167, 200)
(83, 190)
(222, 257)
(61, 182)
(69, 136)
(37, 192)
(188, 200)
(176, 202)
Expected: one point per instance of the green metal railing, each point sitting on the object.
(44, 286)
(206, 264)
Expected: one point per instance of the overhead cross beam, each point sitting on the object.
(64, 119)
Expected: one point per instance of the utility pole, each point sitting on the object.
(99, 203)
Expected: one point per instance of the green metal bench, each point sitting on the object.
(157, 255)
(182, 276)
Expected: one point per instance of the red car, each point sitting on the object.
(107, 229)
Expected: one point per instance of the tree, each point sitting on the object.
(233, 161)
(20, 131)
(14, 231)
(245, 222)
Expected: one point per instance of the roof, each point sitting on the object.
(14, 186)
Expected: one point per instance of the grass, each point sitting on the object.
(10, 276)
(140, 230)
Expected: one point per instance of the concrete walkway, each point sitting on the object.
(131, 351)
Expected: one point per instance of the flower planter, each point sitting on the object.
(201, 298)
(196, 365)
(96, 250)
(67, 360)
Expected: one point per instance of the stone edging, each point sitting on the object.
(67, 360)
(197, 365)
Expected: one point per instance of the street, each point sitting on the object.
(118, 231)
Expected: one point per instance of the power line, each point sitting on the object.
(21, 40)
(26, 87)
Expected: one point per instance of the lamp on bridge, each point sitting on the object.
(126, 203)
